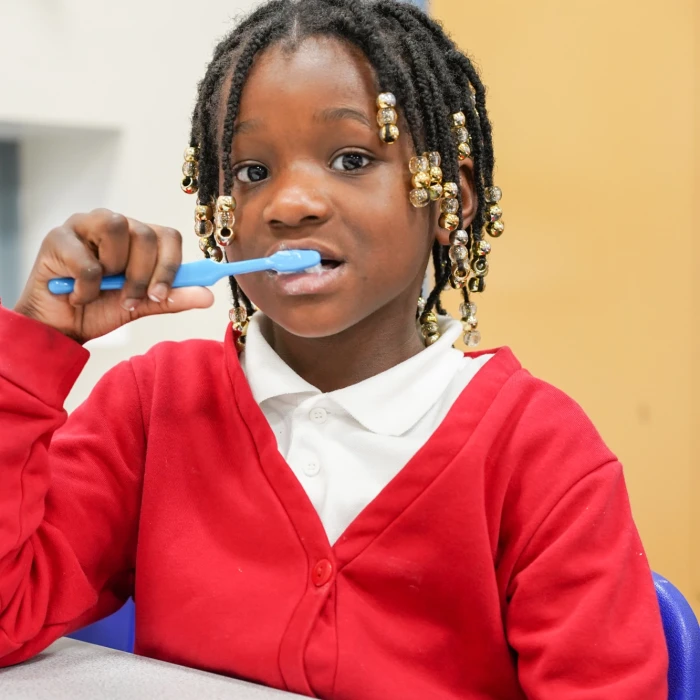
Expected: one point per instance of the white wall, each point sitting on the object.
(100, 94)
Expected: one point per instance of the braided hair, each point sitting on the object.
(411, 56)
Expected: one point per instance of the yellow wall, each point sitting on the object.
(593, 284)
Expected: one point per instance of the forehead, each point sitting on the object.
(316, 71)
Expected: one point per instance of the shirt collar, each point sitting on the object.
(389, 403)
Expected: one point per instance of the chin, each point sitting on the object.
(313, 320)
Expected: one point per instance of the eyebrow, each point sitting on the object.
(332, 114)
(335, 114)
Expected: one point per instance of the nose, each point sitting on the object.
(297, 199)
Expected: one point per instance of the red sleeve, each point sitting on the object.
(69, 494)
(582, 613)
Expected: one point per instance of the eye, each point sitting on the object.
(350, 161)
(251, 173)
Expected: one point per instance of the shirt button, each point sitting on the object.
(322, 573)
(318, 415)
(311, 468)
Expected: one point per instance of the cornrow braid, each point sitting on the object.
(411, 55)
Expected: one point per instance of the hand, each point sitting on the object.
(89, 246)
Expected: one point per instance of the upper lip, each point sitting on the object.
(325, 252)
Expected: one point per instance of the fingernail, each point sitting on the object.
(171, 300)
(158, 293)
(130, 304)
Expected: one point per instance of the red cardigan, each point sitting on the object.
(501, 562)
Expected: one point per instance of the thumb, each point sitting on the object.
(181, 299)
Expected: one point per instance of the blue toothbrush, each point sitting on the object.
(204, 273)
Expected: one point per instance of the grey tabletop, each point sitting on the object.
(71, 670)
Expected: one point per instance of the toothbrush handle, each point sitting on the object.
(65, 285)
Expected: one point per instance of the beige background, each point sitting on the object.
(594, 284)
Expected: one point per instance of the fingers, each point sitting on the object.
(182, 299)
(169, 260)
(143, 257)
(148, 256)
(74, 259)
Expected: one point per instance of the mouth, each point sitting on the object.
(321, 278)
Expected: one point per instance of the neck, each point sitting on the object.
(368, 348)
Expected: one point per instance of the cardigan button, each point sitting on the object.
(322, 572)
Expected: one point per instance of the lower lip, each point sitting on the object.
(302, 283)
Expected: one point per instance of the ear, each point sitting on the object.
(469, 199)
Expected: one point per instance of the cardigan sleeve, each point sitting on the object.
(69, 490)
(581, 610)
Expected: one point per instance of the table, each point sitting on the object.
(72, 670)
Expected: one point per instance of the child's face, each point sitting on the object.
(313, 173)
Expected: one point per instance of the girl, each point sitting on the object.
(344, 506)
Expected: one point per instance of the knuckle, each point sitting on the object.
(101, 213)
(172, 234)
(116, 223)
(146, 234)
(54, 235)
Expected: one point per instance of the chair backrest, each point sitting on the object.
(115, 631)
(683, 640)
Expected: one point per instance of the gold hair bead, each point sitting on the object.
(435, 192)
(494, 213)
(389, 133)
(421, 180)
(419, 164)
(189, 185)
(204, 228)
(449, 206)
(459, 275)
(495, 229)
(472, 337)
(225, 203)
(458, 119)
(450, 190)
(224, 236)
(238, 317)
(225, 219)
(205, 244)
(493, 194)
(386, 100)
(203, 212)
(458, 253)
(419, 198)
(480, 266)
(435, 159)
(190, 170)
(477, 285)
(436, 174)
(464, 151)
(449, 222)
(460, 236)
(429, 328)
(387, 118)
(216, 254)
(482, 247)
(191, 154)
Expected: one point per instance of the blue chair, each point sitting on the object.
(683, 640)
(115, 631)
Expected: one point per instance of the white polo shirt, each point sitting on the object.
(345, 446)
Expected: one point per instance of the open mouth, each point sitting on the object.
(326, 265)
